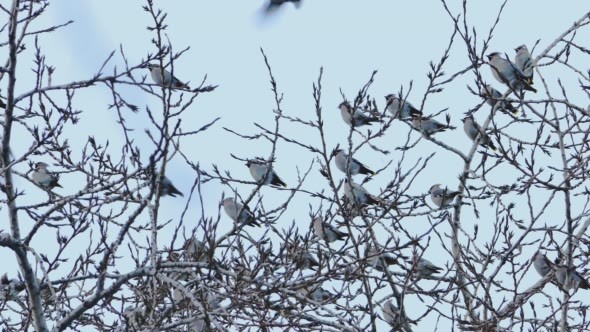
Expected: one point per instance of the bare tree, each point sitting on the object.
(355, 258)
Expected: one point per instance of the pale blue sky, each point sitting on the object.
(348, 38)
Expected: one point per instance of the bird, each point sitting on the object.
(354, 117)
(570, 279)
(233, 207)
(169, 189)
(356, 193)
(273, 5)
(428, 126)
(393, 317)
(492, 96)
(195, 251)
(9, 288)
(315, 293)
(44, 178)
(425, 268)
(302, 258)
(524, 62)
(407, 110)
(354, 166)
(442, 197)
(508, 73)
(262, 173)
(472, 129)
(326, 231)
(542, 264)
(378, 259)
(166, 79)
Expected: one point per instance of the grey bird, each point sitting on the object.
(393, 317)
(315, 293)
(9, 288)
(44, 178)
(524, 62)
(425, 268)
(263, 173)
(508, 73)
(428, 126)
(379, 260)
(570, 279)
(492, 96)
(442, 197)
(354, 166)
(238, 212)
(195, 250)
(166, 79)
(355, 117)
(302, 258)
(542, 264)
(472, 129)
(169, 189)
(326, 231)
(356, 193)
(400, 109)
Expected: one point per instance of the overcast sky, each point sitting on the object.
(349, 39)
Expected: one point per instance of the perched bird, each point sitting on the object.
(354, 117)
(379, 260)
(492, 96)
(354, 166)
(356, 193)
(541, 264)
(262, 173)
(472, 129)
(429, 126)
(315, 293)
(400, 109)
(169, 189)
(195, 251)
(425, 268)
(273, 5)
(524, 62)
(570, 279)
(442, 197)
(326, 231)
(9, 288)
(392, 315)
(44, 178)
(239, 213)
(302, 258)
(165, 79)
(508, 73)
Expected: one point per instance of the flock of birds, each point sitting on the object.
(517, 75)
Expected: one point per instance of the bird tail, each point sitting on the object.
(174, 191)
(181, 85)
(365, 170)
(278, 182)
(373, 119)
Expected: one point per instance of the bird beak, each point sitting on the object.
(516, 49)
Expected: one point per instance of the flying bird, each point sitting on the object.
(400, 109)
(428, 126)
(326, 231)
(239, 213)
(524, 62)
(44, 178)
(425, 268)
(508, 73)
(262, 173)
(442, 197)
(492, 96)
(472, 129)
(542, 264)
(166, 79)
(354, 166)
(392, 315)
(570, 279)
(355, 117)
(356, 193)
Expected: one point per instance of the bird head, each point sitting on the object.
(40, 165)
(492, 55)
(336, 151)
(344, 105)
(521, 47)
(435, 187)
